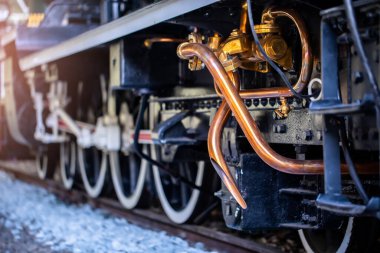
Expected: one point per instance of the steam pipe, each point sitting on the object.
(214, 146)
(246, 122)
(149, 42)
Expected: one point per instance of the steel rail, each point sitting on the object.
(138, 20)
(211, 238)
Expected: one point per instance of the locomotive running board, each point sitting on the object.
(138, 20)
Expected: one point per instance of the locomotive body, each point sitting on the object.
(269, 108)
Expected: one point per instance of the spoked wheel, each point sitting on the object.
(355, 235)
(128, 177)
(68, 163)
(93, 165)
(46, 161)
(180, 201)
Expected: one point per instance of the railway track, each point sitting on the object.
(212, 238)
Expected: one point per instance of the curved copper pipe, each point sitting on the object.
(149, 42)
(214, 146)
(246, 122)
(216, 155)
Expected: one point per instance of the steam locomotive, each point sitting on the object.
(268, 111)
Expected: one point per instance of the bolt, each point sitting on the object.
(236, 32)
(228, 210)
(276, 48)
(307, 135)
(319, 135)
(219, 194)
(358, 77)
(281, 128)
(237, 212)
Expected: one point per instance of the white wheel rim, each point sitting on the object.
(41, 168)
(131, 201)
(342, 247)
(93, 191)
(68, 181)
(183, 215)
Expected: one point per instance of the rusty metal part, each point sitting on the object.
(248, 124)
(149, 42)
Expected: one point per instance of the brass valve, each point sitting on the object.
(240, 51)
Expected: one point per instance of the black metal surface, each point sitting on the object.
(274, 199)
(331, 149)
(333, 200)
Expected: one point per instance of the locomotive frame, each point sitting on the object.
(159, 95)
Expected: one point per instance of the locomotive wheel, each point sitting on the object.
(355, 235)
(128, 177)
(68, 163)
(46, 161)
(93, 165)
(180, 202)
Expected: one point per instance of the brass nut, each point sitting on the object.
(214, 42)
(276, 48)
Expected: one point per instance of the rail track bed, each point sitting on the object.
(213, 236)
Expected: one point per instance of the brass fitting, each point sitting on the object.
(236, 43)
(231, 64)
(214, 42)
(194, 62)
(283, 110)
(275, 46)
(149, 42)
(267, 28)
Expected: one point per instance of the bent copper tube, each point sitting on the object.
(149, 42)
(246, 122)
(216, 155)
(214, 146)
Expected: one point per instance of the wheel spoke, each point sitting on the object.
(128, 178)
(93, 167)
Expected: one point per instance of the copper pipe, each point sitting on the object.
(246, 122)
(216, 155)
(214, 146)
(244, 18)
(149, 42)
